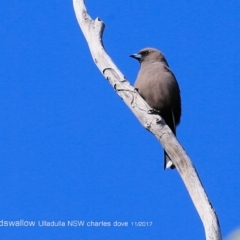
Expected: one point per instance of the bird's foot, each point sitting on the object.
(154, 111)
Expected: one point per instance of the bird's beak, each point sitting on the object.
(136, 56)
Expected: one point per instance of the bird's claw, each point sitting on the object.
(154, 111)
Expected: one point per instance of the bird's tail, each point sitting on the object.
(168, 162)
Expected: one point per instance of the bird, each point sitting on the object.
(158, 86)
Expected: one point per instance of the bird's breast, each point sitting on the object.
(154, 85)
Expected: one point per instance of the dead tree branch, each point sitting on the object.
(93, 30)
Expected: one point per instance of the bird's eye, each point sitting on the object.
(146, 53)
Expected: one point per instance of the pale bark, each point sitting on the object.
(93, 30)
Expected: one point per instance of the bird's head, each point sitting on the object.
(149, 55)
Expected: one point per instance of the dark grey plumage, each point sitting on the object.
(159, 88)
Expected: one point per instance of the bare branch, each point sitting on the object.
(93, 30)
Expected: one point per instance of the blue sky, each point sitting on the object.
(72, 150)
